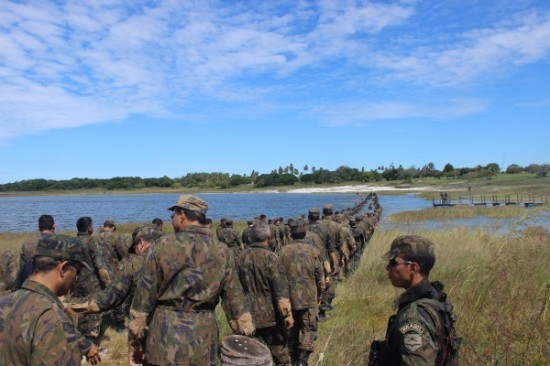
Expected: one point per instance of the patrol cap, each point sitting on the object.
(148, 233)
(190, 203)
(297, 225)
(410, 245)
(62, 247)
(314, 210)
(109, 222)
(328, 208)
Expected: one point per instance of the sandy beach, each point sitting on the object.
(356, 188)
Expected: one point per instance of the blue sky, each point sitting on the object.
(105, 88)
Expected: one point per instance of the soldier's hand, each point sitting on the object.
(245, 324)
(93, 356)
(84, 308)
(289, 322)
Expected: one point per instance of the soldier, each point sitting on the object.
(301, 264)
(34, 328)
(267, 293)
(8, 272)
(246, 234)
(422, 331)
(359, 238)
(88, 281)
(123, 287)
(158, 223)
(183, 278)
(46, 225)
(108, 239)
(231, 238)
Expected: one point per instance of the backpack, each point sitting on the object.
(448, 340)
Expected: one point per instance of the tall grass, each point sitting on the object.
(500, 287)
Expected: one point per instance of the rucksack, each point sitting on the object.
(448, 340)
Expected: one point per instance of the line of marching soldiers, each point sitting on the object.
(278, 282)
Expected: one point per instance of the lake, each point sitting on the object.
(18, 214)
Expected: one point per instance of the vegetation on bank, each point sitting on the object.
(281, 177)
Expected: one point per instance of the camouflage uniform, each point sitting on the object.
(300, 262)
(88, 284)
(35, 330)
(359, 237)
(183, 278)
(28, 249)
(265, 289)
(228, 236)
(412, 334)
(8, 272)
(246, 236)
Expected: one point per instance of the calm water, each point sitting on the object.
(21, 213)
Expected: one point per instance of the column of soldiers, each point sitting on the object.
(276, 280)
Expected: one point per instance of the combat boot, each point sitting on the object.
(304, 356)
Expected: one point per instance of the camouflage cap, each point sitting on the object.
(109, 222)
(328, 209)
(62, 247)
(149, 233)
(410, 245)
(314, 210)
(297, 225)
(190, 203)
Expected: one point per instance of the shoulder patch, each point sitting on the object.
(412, 341)
(411, 328)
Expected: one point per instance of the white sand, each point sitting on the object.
(361, 188)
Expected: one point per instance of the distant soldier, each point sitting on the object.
(267, 293)
(422, 332)
(337, 257)
(183, 278)
(8, 272)
(246, 234)
(34, 328)
(158, 223)
(300, 262)
(46, 225)
(231, 238)
(359, 238)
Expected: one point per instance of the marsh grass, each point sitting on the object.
(499, 285)
(467, 212)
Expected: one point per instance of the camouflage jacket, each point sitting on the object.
(34, 329)
(124, 285)
(87, 281)
(411, 337)
(229, 236)
(300, 263)
(28, 249)
(327, 237)
(359, 237)
(259, 276)
(246, 236)
(108, 241)
(8, 272)
(183, 278)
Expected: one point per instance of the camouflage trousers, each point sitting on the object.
(329, 293)
(304, 332)
(276, 340)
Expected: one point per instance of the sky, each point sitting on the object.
(110, 88)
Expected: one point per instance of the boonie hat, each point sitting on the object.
(62, 247)
(149, 233)
(410, 245)
(190, 203)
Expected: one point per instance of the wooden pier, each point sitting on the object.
(526, 200)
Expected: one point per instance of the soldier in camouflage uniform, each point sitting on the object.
(34, 328)
(8, 272)
(88, 282)
(267, 293)
(122, 289)
(111, 243)
(246, 234)
(414, 334)
(301, 264)
(46, 225)
(359, 238)
(183, 278)
(230, 237)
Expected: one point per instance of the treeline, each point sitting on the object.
(286, 176)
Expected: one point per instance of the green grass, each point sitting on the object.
(466, 212)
